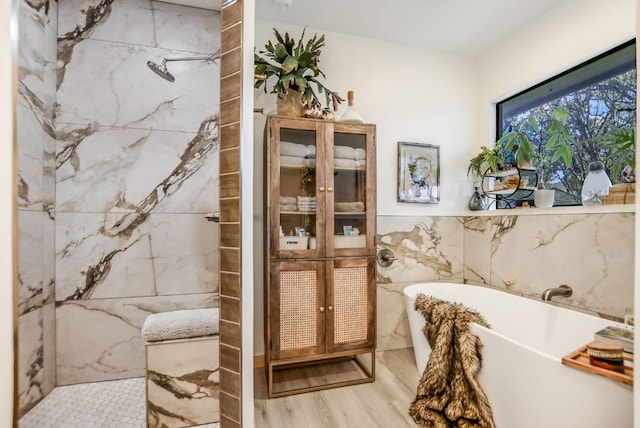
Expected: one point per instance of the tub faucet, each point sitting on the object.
(563, 290)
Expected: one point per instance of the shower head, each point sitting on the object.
(161, 70)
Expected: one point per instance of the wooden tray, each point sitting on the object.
(580, 360)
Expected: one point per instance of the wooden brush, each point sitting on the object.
(606, 355)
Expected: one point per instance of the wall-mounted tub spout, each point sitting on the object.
(385, 257)
(563, 290)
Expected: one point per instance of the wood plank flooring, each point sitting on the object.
(384, 403)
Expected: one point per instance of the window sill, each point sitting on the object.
(600, 209)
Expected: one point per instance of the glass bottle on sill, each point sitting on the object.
(596, 185)
(477, 202)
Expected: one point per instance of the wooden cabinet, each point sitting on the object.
(321, 215)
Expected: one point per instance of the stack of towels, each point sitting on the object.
(306, 203)
(294, 154)
(348, 157)
(297, 154)
(288, 203)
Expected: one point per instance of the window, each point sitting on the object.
(599, 100)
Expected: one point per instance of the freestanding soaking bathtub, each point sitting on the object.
(522, 374)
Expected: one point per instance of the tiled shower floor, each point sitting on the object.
(112, 404)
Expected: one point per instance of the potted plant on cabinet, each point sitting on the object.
(295, 67)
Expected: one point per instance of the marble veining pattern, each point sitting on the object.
(426, 249)
(104, 169)
(30, 360)
(136, 165)
(592, 253)
(183, 382)
(37, 22)
(118, 351)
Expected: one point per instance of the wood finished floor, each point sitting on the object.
(383, 403)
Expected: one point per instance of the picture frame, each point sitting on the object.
(418, 173)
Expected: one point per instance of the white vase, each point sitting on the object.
(544, 198)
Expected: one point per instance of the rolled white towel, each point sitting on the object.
(288, 207)
(181, 324)
(361, 154)
(344, 152)
(361, 163)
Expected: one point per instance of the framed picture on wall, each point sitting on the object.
(418, 173)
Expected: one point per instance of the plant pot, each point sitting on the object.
(544, 198)
(290, 104)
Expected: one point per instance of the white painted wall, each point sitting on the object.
(7, 206)
(411, 94)
(247, 213)
(567, 35)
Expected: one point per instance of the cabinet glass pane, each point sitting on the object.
(297, 200)
(350, 192)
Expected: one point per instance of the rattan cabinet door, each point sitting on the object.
(351, 296)
(297, 309)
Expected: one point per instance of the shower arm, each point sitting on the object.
(192, 58)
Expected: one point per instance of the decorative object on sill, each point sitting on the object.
(295, 66)
(418, 173)
(596, 185)
(487, 158)
(477, 202)
(622, 193)
(543, 197)
(351, 115)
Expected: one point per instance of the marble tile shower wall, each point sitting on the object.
(36, 193)
(593, 253)
(136, 170)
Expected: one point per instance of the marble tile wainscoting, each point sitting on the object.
(593, 253)
(136, 170)
(37, 23)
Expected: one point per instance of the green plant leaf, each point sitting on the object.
(289, 64)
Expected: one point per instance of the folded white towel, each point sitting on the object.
(344, 152)
(361, 154)
(294, 149)
(344, 163)
(296, 161)
(181, 324)
(288, 200)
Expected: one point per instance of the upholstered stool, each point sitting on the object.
(182, 359)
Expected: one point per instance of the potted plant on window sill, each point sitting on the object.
(487, 158)
(295, 67)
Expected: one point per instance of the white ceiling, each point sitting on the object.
(463, 27)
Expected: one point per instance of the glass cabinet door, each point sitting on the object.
(349, 162)
(296, 204)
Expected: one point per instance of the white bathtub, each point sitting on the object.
(522, 373)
